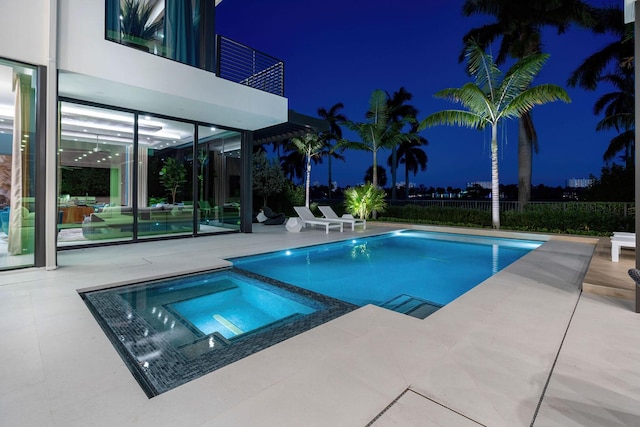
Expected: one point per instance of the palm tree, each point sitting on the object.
(334, 118)
(399, 112)
(619, 111)
(378, 132)
(619, 52)
(309, 145)
(519, 24)
(493, 98)
(136, 24)
(412, 156)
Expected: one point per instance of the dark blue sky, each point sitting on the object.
(340, 51)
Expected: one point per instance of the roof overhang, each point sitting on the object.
(296, 125)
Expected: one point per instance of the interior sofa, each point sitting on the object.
(114, 222)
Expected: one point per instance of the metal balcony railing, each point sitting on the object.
(242, 64)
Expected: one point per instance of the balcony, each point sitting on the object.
(175, 31)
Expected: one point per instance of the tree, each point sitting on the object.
(136, 24)
(309, 145)
(378, 131)
(412, 156)
(618, 53)
(172, 176)
(493, 98)
(268, 177)
(334, 118)
(619, 114)
(399, 112)
(519, 24)
(381, 173)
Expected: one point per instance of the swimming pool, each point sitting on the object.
(413, 272)
(171, 331)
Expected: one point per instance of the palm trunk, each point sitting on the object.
(495, 183)
(374, 172)
(394, 168)
(374, 214)
(406, 178)
(308, 178)
(330, 181)
(525, 154)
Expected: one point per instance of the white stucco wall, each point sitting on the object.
(24, 30)
(140, 80)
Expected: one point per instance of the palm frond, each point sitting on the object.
(482, 67)
(454, 118)
(520, 76)
(537, 95)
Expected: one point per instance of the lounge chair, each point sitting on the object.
(270, 217)
(347, 219)
(620, 240)
(308, 218)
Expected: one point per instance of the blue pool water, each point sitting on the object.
(238, 309)
(174, 330)
(383, 270)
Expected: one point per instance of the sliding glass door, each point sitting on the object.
(165, 195)
(95, 175)
(126, 176)
(218, 160)
(18, 147)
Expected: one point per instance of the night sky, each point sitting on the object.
(340, 51)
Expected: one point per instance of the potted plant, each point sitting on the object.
(135, 24)
(172, 175)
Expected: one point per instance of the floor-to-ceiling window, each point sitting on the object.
(126, 176)
(18, 147)
(165, 177)
(95, 175)
(218, 163)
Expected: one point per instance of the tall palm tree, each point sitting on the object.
(334, 118)
(493, 98)
(619, 114)
(518, 25)
(619, 53)
(412, 156)
(399, 111)
(310, 146)
(378, 131)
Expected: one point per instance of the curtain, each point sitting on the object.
(143, 173)
(113, 20)
(20, 164)
(179, 31)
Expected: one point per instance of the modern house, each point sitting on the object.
(127, 120)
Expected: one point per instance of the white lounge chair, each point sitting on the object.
(621, 240)
(328, 213)
(308, 218)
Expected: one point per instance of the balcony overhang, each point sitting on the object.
(229, 104)
(297, 125)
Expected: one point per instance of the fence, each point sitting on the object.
(622, 208)
(242, 64)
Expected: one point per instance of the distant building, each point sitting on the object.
(579, 182)
(483, 184)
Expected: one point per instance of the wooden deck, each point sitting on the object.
(610, 278)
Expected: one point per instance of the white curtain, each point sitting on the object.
(143, 171)
(19, 159)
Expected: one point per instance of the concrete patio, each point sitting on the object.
(525, 347)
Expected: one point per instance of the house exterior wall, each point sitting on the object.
(95, 69)
(24, 31)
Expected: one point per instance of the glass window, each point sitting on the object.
(18, 90)
(219, 179)
(95, 175)
(165, 159)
